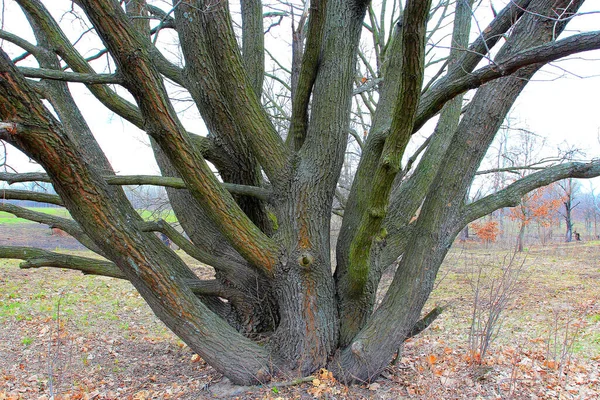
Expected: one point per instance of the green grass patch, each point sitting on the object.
(594, 318)
(9, 309)
(6, 218)
(84, 303)
(168, 216)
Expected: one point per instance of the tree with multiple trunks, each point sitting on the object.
(277, 305)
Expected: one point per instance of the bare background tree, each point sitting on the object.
(283, 146)
(569, 189)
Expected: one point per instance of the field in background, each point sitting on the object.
(94, 337)
(6, 218)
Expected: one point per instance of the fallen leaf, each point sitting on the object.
(431, 359)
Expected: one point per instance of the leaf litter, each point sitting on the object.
(82, 337)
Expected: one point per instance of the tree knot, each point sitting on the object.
(377, 212)
(305, 260)
(8, 127)
(358, 348)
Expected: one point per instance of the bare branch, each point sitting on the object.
(37, 258)
(161, 122)
(22, 43)
(512, 194)
(276, 61)
(10, 194)
(538, 165)
(45, 73)
(440, 93)
(426, 321)
(253, 43)
(488, 38)
(356, 137)
(187, 246)
(67, 225)
(96, 56)
(411, 160)
(308, 74)
(413, 44)
(165, 181)
(367, 86)
(166, 20)
(278, 79)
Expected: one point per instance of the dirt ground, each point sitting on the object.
(36, 235)
(85, 337)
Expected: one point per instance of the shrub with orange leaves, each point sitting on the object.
(486, 231)
(540, 205)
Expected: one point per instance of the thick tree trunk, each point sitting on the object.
(253, 311)
(153, 269)
(308, 331)
(438, 221)
(405, 198)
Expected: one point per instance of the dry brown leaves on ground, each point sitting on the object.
(82, 337)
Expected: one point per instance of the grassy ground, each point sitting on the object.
(93, 337)
(9, 219)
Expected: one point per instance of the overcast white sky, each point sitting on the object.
(561, 103)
